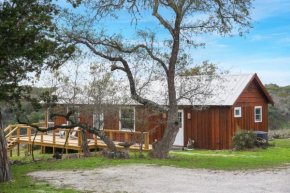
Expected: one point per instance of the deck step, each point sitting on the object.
(176, 148)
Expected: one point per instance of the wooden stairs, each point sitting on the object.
(11, 144)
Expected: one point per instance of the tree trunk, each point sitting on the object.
(85, 147)
(162, 148)
(111, 145)
(5, 172)
(141, 144)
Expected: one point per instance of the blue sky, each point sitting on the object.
(265, 50)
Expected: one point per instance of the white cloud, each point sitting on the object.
(268, 8)
(270, 70)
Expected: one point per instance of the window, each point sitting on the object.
(50, 121)
(258, 114)
(180, 119)
(238, 111)
(127, 119)
(98, 121)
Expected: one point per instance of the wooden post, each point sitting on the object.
(45, 118)
(29, 133)
(10, 136)
(146, 141)
(18, 149)
(53, 136)
(53, 150)
(43, 149)
(126, 136)
(111, 135)
(18, 133)
(67, 135)
(29, 148)
(41, 137)
(96, 139)
(79, 139)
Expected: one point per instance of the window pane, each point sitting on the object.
(180, 117)
(127, 113)
(98, 121)
(258, 111)
(237, 112)
(127, 119)
(127, 124)
(258, 117)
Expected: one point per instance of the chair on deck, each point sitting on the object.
(62, 133)
(73, 135)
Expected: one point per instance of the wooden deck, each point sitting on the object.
(54, 140)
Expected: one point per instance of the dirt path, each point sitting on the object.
(149, 178)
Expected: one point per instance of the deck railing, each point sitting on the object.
(16, 131)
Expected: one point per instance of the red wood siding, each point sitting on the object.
(210, 129)
(252, 96)
(60, 120)
(247, 121)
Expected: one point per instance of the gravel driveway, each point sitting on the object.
(150, 178)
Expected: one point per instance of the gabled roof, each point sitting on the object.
(265, 92)
(222, 91)
(195, 91)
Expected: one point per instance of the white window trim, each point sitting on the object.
(240, 110)
(120, 123)
(47, 120)
(101, 119)
(258, 107)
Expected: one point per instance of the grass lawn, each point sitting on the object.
(225, 160)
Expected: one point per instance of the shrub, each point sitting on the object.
(243, 140)
(279, 134)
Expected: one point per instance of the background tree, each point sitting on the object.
(27, 45)
(181, 21)
(81, 94)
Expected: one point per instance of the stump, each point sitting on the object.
(114, 155)
(56, 155)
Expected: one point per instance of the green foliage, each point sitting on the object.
(279, 114)
(225, 160)
(279, 134)
(36, 117)
(27, 44)
(204, 69)
(243, 140)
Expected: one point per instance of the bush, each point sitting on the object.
(279, 134)
(243, 140)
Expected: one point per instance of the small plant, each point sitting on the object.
(243, 139)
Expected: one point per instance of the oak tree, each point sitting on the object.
(28, 44)
(179, 20)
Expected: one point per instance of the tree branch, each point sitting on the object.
(161, 19)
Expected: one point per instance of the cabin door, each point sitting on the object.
(180, 135)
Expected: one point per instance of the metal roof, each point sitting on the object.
(201, 90)
(192, 90)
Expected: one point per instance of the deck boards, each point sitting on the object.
(72, 143)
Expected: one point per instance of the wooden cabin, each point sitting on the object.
(242, 101)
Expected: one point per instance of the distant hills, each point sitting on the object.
(279, 115)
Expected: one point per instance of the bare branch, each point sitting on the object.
(161, 19)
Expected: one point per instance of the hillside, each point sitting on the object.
(279, 115)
